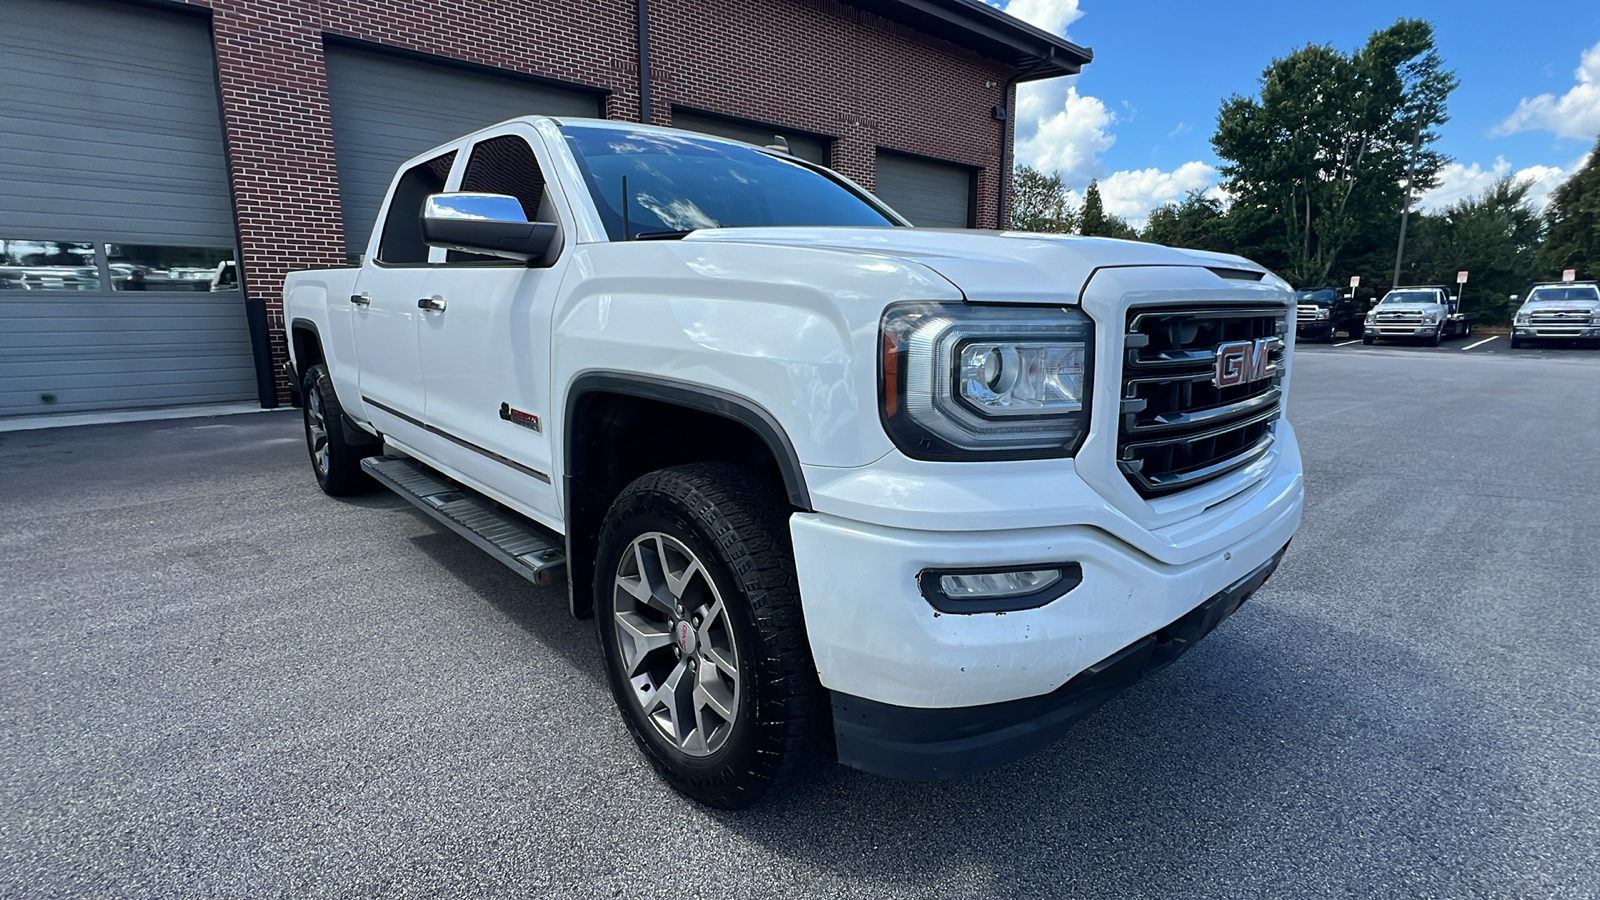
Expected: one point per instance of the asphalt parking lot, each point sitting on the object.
(215, 681)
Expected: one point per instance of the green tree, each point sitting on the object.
(1494, 236)
(1197, 223)
(1573, 219)
(1039, 202)
(1094, 221)
(1316, 163)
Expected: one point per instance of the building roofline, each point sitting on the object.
(979, 27)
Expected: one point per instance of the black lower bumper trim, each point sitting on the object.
(919, 744)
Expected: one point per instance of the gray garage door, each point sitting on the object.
(387, 109)
(116, 225)
(928, 193)
(804, 146)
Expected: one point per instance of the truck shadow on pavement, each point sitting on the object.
(1260, 754)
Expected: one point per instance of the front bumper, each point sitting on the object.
(1556, 332)
(1393, 331)
(1314, 329)
(931, 744)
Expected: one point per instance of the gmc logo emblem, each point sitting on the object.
(1241, 362)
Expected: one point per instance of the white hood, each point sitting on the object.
(991, 266)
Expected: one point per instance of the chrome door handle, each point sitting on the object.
(361, 299)
(435, 303)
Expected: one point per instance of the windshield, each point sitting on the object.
(677, 183)
(1586, 293)
(1412, 297)
(1325, 295)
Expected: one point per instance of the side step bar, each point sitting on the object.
(533, 551)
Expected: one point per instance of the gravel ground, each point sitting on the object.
(217, 682)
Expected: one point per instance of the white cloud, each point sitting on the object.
(1132, 194)
(1458, 182)
(1051, 15)
(1061, 130)
(1575, 114)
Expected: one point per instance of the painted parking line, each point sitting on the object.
(1348, 343)
(1486, 340)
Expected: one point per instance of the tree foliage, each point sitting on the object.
(1197, 223)
(1319, 159)
(1094, 221)
(1573, 218)
(1039, 202)
(1494, 236)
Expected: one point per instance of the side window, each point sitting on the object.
(402, 228)
(504, 165)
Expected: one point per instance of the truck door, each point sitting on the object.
(486, 343)
(387, 293)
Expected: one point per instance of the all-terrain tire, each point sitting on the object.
(735, 526)
(335, 461)
(1367, 341)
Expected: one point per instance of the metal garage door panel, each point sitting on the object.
(110, 132)
(387, 109)
(806, 147)
(111, 126)
(935, 195)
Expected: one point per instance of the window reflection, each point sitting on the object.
(48, 266)
(148, 267)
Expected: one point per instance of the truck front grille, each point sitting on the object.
(1179, 428)
(1405, 317)
(1307, 312)
(1560, 318)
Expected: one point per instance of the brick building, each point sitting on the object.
(196, 152)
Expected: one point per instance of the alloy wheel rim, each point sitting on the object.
(317, 431)
(676, 644)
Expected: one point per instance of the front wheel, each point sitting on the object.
(1366, 340)
(1516, 343)
(336, 462)
(1438, 336)
(698, 609)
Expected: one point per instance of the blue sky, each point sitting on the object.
(1140, 117)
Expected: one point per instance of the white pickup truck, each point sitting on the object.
(932, 494)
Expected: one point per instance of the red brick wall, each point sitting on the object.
(815, 65)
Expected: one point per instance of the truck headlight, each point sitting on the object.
(983, 382)
(1322, 313)
(1372, 318)
(1430, 318)
(1523, 318)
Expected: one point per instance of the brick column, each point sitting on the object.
(280, 148)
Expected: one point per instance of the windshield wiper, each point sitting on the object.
(663, 235)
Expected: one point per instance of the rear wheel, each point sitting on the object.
(698, 610)
(336, 462)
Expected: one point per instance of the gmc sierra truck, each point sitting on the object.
(1558, 311)
(815, 473)
(1429, 313)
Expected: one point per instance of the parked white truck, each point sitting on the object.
(1562, 310)
(1430, 313)
(813, 471)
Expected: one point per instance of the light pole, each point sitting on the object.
(1405, 211)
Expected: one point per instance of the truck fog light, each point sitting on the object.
(998, 590)
(983, 585)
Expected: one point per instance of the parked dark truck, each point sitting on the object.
(1323, 312)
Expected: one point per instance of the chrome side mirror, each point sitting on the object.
(493, 224)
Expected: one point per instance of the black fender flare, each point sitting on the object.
(697, 397)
